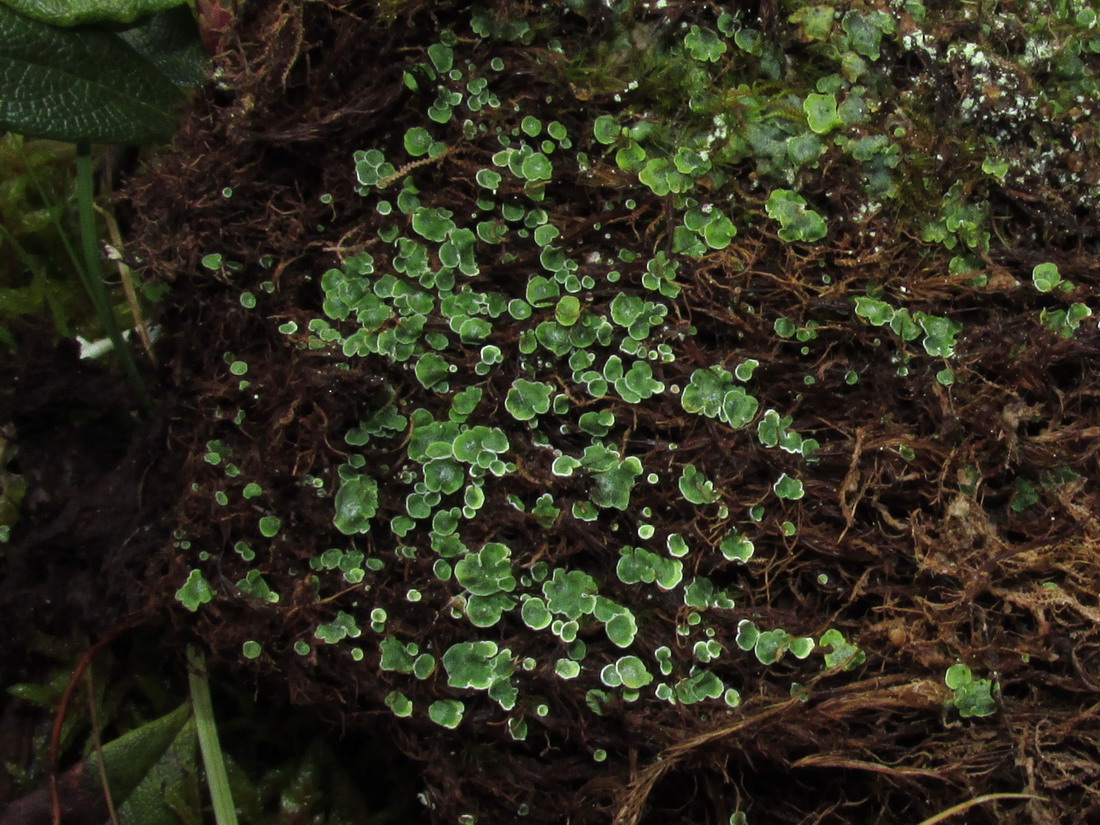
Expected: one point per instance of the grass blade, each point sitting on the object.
(92, 274)
(225, 813)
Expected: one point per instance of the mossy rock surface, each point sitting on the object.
(642, 409)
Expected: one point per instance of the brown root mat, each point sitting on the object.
(650, 412)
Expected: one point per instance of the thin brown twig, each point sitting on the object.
(97, 739)
(63, 710)
(128, 285)
(978, 800)
(638, 791)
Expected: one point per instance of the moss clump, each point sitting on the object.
(660, 379)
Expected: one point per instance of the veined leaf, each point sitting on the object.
(169, 787)
(79, 85)
(129, 759)
(72, 12)
(170, 41)
(152, 773)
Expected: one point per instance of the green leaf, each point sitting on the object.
(738, 407)
(165, 794)
(630, 157)
(801, 647)
(704, 45)
(690, 162)
(1046, 276)
(816, 21)
(975, 699)
(745, 369)
(396, 656)
(537, 167)
(342, 627)
(531, 126)
(843, 652)
(472, 664)
(770, 429)
(865, 31)
(747, 634)
(719, 232)
(571, 593)
(72, 12)
(541, 290)
(554, 337)
(480, 445)
(487, 572)
(399, 703)
(621, 629)
(957, 676)
(568, 310)
(433, 224)
(444, 475)
(567, 669)
(788, 488)
(997, 167)
(442, 57)
(270, 526)
(535, 614)
(431, 369)
(355, 504)
(821, 113)
(606, 129)
(705, 390)
(196, 591)
(150, 767)
(611, 488)
(632, 672)
(703, 685)
(939, 334)
(446, 712)
(749, 40)
(903, 324)
(770, 645)
(784, 327)
(736, 547)
(417, 141)
(546, 234)
(170, 41)
(486, 611)
(527, 399)
(798, 223)
(80, 85)
(488, 179)
(876, 312)
(695, 487)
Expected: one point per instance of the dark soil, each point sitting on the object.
(921, 574)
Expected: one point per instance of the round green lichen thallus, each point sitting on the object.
(270, 526)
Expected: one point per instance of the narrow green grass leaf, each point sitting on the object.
(225, 813)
